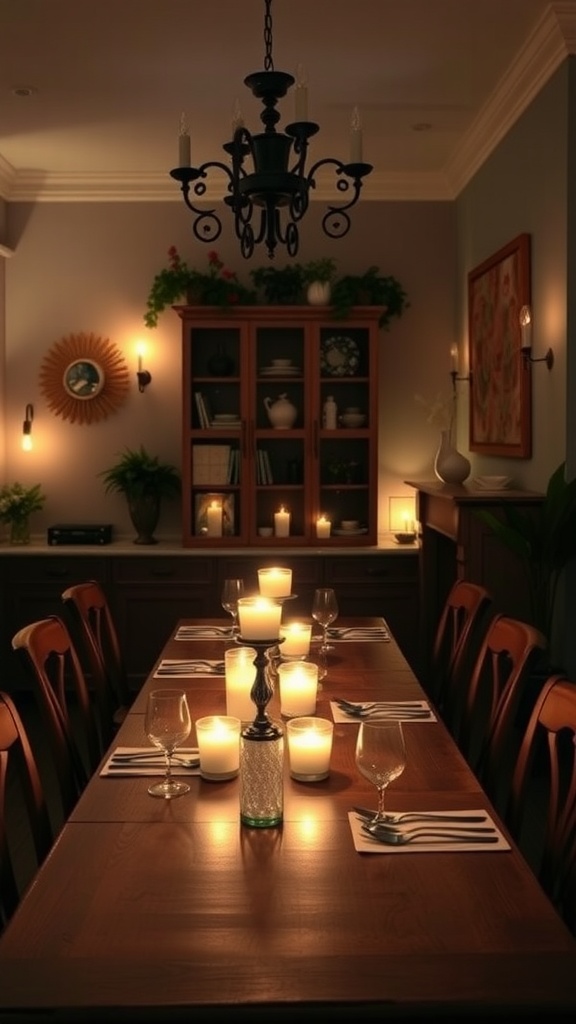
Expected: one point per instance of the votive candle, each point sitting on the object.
(309, 748)
(298, 688)
(297, 637)
(275, 582)
(218, 739)
(240, 672)
(282, 523)
(259, 618)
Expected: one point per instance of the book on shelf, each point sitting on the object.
(210, 464)
(203, 409)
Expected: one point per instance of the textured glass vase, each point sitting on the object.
(20, 531)
(450, 465)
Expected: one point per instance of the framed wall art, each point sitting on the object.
(500, 378)
(84, 378)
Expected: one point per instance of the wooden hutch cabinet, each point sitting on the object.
(243, 459)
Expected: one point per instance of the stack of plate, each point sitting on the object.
(226, 420)
(280, 371)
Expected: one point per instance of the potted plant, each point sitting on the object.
(215, 287)
(16, 506)
(544, 538)
(281, 286)
(317, 277)
(369, 289)
(144, 480)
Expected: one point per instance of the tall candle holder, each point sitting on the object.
(261, 750)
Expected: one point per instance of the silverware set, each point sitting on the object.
(358, 633)
(153, 758)
(392, 832)
(205, 632)
(191, 667)
(407, 710)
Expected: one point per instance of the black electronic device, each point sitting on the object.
(80, 533)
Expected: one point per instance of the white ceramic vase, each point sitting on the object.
(450, 465)
(319, 293)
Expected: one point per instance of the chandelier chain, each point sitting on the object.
(268, 59)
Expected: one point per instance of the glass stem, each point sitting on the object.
(168, 777)
(381, 796)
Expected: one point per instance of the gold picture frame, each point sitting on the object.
(84, 378)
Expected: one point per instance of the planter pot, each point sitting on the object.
(319, 293)
(450, 465)
(144, 513)
(20, 531)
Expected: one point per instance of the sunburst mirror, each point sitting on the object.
(84, 378)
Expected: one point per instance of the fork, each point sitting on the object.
(408, 816)
(410, 713)
(373, 705)
(403, 838)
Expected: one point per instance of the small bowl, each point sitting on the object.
(281, 363)
(265, 531)
(353, 419)
(350, 524)
(493, 483)
(351, 409)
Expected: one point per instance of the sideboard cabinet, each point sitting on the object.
(258, 451)
(149, 593)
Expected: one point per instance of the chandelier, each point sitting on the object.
(268, 197)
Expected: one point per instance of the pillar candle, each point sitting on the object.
(259, 618)
(275, 582)
(282, 523)
(323, 527)
(309, 748)
(240, 672)
(214, 519)
(297, 637)
(298, 688)
(218, 746)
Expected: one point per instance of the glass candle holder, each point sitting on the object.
(240, 672)
(218, 739)
(275, 582)
(298, 688)
(259, 618)
(309, 748)
(297, 636)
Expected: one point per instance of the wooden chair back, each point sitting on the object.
(90, 616)
(458, 635)
(541, 812)
(499, 685)
(48, 654)
(21, 796)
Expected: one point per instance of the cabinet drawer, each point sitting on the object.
(156, 569)
(67, 569)
(380, 569)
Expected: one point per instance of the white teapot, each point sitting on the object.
(281, 413)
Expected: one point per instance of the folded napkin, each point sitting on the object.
(422, 844)
(203, 633)
(397, 711)
(347, 634)
(151, 764)
(175, 668)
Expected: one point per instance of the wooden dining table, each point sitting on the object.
(160, 910)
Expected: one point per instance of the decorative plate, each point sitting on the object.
(339, 357)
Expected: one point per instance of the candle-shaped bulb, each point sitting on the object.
(237, 118)
(140, 351)
(454, 357)
(183, 143)
(356, 137)
(301, 95)
(526, 327)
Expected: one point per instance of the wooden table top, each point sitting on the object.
(149, 909)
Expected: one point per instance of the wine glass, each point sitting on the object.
(167, 725)
(325, 611)
(232, 589)
(380, 756)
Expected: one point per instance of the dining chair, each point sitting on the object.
(541, 809)
(24, 818)
(498, 690)
(49, 657)
(458, 635)
(91, 617)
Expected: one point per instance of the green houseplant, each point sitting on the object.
(17, 503)
(544, 538)
(369, 289)
(144, 481)
(280, 286)
(216, 286)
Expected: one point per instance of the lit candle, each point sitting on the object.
(454, 357)
(323, 527)
(275, 582)
(259, 618)
(298, 688)
(214, 519)
(356, 138)
(183, 143)
(297, 636)
(218, 746)
(237, 119)
(301, 95)
(526, 327)
(240, 672)
(140, 350)
(282, 523)
(407, 523)
(309, 748)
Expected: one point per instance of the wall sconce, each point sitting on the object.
(525, 318)
(27, 444)
(144, 377)
(454, 370)
(402, 518)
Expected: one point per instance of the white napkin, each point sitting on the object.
(173, 668)
(397, 712)
(364, 844)
(152, 765)
(203, 633)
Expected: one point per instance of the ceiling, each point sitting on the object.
(437, 84)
